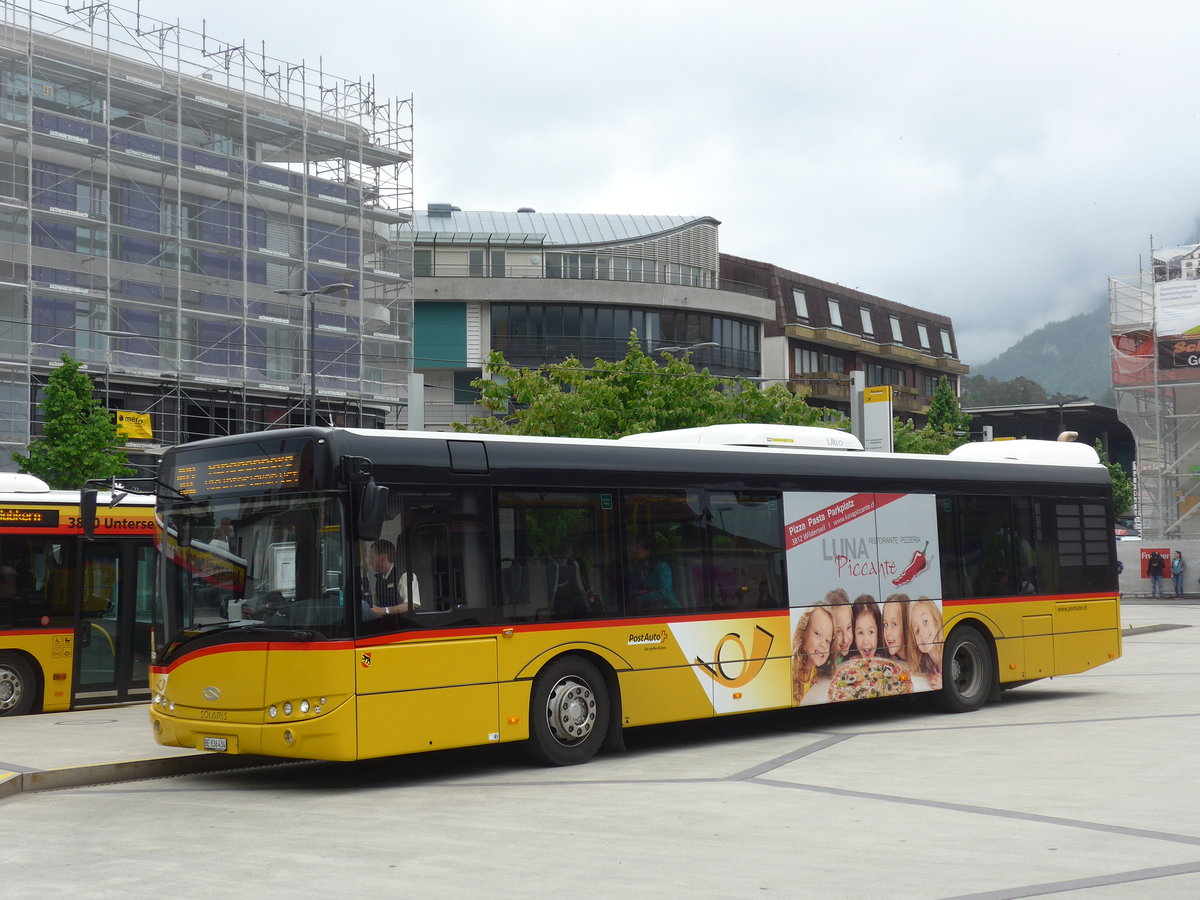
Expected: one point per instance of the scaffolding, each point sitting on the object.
(176, 213)
(1160, 402)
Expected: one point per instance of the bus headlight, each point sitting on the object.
(273, 712)
(303, 706)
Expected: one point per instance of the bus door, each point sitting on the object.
(436, 687)
(115, 609)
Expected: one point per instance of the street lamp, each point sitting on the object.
(312, 336)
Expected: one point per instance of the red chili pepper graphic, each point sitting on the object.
(915, 567)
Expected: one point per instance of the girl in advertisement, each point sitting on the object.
(868, 627)
(810, 650)
(925, 640)
(895, 628)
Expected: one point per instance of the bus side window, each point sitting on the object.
(558, 555)
(955, 582)
(744, 551)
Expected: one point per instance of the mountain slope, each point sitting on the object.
(1069, 357)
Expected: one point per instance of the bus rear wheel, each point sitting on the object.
(968, 671)
(17, 685)
(568, 712)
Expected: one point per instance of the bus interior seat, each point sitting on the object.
(572, 600)
(535, 596)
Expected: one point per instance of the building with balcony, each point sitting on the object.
(821, 332)
(159, 189)
(539, 287)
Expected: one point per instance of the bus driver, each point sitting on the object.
(388, 588)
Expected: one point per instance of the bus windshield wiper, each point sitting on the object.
(198, 630)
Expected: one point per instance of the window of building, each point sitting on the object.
(833, 362)
(867, 328)
(274, 351)
(896, 335)
(835, 313)
(923, 335)
(498, 264)
(475, 263)
(807, 360)
(423, 263)
(576, 328)
(928, 384)
(800, 302)
(879, 374)
(945, 335)
(811, 361)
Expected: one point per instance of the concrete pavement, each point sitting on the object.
(106, 745)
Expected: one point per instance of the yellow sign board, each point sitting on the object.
(134, 424)
(881, 393)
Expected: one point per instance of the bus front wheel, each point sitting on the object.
(968, 671)
(17, 685)
(569, 710)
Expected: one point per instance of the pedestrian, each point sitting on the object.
(1178, 567)
(1154, 568)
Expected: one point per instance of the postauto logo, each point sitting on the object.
(731, 647)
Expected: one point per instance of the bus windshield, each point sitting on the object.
(273, 562)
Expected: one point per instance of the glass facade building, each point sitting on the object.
(539, 287)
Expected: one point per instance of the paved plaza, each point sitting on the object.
(1083, 786)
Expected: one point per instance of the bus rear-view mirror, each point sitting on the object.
(372, 511)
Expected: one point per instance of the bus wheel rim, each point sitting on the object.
(967, 669)
(10, 689)
(571, 710)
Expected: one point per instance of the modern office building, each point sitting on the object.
(820, 332)
(220, 237)
(539, 287)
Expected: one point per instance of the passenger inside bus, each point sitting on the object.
(652, 585)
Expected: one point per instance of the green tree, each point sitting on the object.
(80, 438)
(634, 394)
(947, 426)
(1122, 484)
(907, 438)
(945, 415)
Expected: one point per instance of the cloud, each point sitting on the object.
(994, 162)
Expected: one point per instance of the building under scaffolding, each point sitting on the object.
(176, 213)
(1156, 380)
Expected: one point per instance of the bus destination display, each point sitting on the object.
(28, 517)
(247, 473)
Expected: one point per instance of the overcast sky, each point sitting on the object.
(990, 161)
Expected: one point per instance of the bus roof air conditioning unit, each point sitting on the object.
(788, 437)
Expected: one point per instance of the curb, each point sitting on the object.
(131, 770)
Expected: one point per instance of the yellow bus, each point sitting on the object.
(343, 594)
(75, 613)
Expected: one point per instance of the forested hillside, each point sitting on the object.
(1068, 358)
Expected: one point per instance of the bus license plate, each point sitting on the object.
(220, 745)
